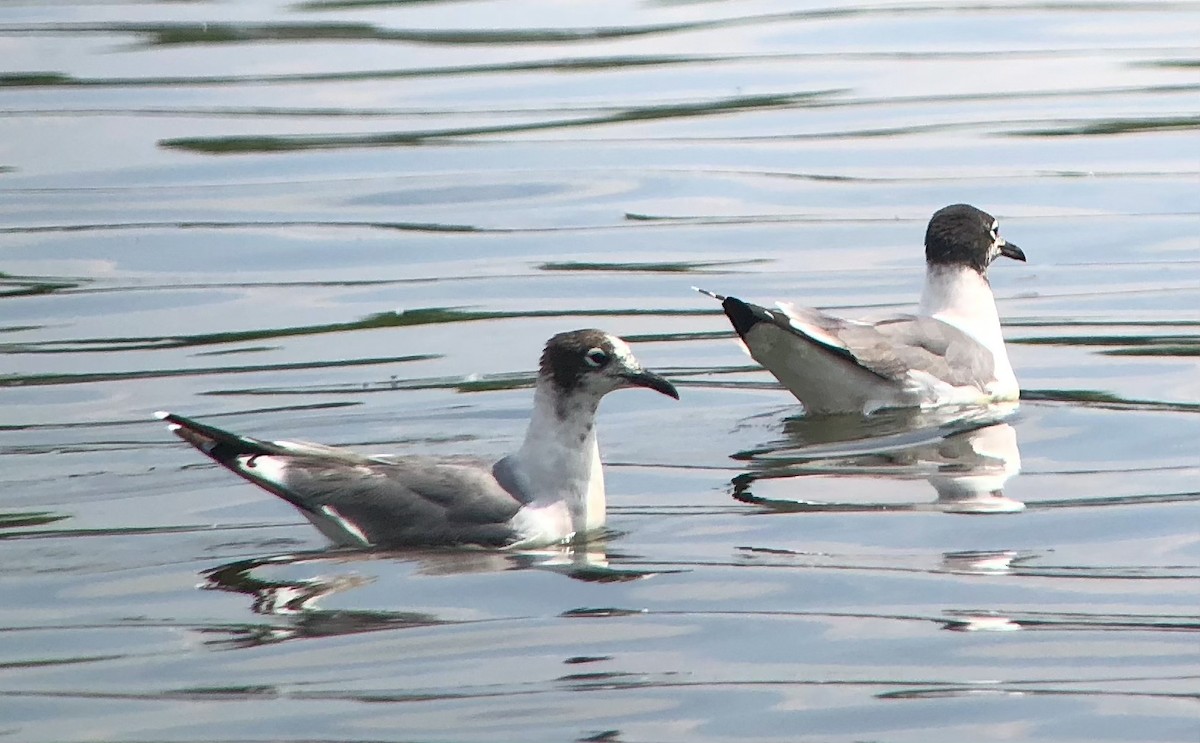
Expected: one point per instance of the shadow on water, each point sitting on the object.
(648, 267)
(244, 144)
(1116, 126)
(174, 34)
(1020, 128)
(28, 286)
(1125, 345)
(38, 380)
(20, 519)
(1107, 400)
(404, 318)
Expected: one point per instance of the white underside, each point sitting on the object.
(964, 299)
(558, 466)
(540, 524)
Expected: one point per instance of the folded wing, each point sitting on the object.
(365, 501)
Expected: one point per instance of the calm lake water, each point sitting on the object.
(357, 221)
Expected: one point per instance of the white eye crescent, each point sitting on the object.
(596, 357)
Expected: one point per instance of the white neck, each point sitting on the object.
(559, 462)
(958, 295)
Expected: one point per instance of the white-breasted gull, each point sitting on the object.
(950, 353)
(549, 490)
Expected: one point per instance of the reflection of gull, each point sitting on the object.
(999, 562)
(295, 603)
(551, 489)
(966, 621)
(967, 459)
(951, 353)
(290, 605)
(973, 469)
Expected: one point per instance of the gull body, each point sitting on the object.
(950, 353)
(549, 490)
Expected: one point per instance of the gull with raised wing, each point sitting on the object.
(950, 353)
(548, 491)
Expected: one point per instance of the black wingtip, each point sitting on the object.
(743, 315)
(707, 293)
(217, 443)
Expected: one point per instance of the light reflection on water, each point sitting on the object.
(355, 223)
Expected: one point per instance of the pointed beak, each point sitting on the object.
(650, 380)
(1008, 250)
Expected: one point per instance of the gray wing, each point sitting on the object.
(894, 348)
(366, 501)
(403, 502)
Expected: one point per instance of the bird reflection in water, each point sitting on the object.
(967, 456)
(290, 605)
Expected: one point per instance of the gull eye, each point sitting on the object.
(596, 358)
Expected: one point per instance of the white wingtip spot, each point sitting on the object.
(346, 525)
(163, 415)
(268, 468)
(812, 330)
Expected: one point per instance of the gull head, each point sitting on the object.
(591, 363)
(961, 235)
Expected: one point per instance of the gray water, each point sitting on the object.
(357, 222)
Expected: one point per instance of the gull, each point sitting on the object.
(950, 353)
(548, 491)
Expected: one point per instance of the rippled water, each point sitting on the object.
(357, 222)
